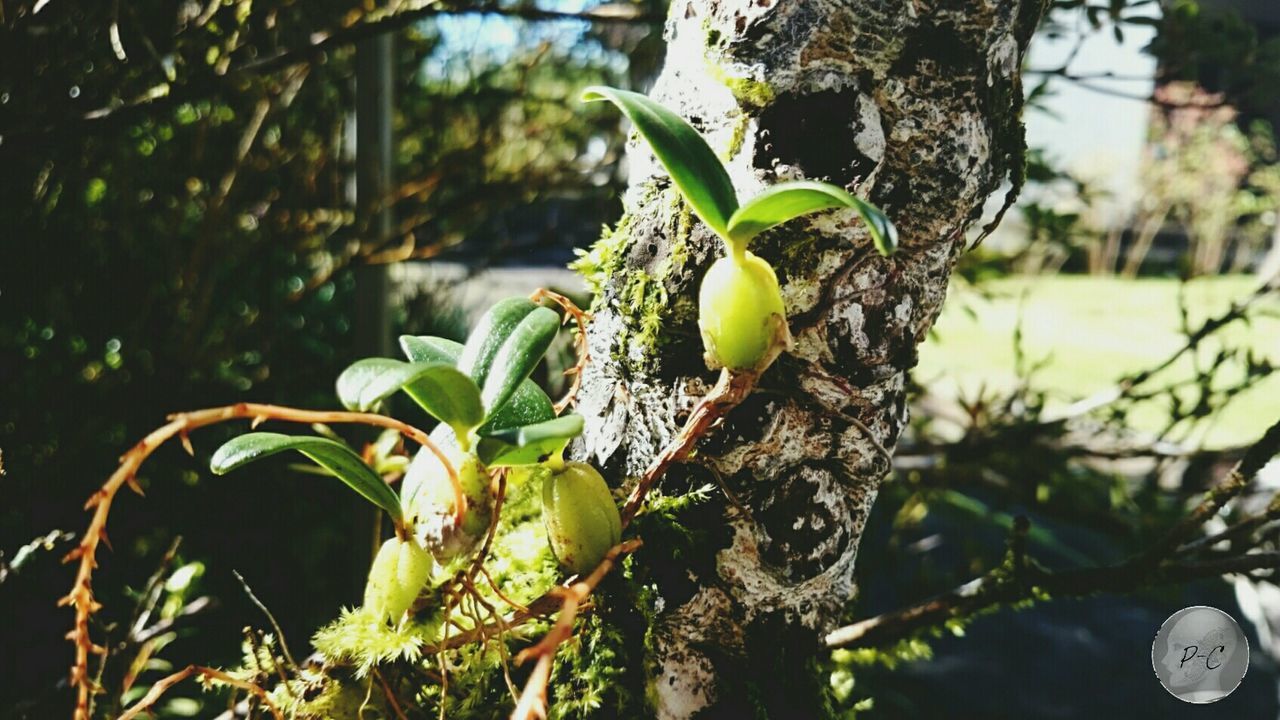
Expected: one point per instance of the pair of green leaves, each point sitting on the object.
(478, 391)
(463, 389)
(703, 181)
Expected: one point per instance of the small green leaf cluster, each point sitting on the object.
(491, 415)
(741, 312)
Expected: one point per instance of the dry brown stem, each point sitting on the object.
(164, 684)
(179, 425)
(581, 317)
(533, 700)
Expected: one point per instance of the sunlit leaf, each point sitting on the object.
(786, 201)
(528, 445)
(446, 393)
(528, 404)
(518, 356)
(694, 167)
(333, 456)
(489, 334)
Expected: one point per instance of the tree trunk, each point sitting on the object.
(914, 105)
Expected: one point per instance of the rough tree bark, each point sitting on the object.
(910, 103)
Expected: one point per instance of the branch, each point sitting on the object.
(1156, 565)
(993, 589)
(163, 685)
(1237, 311)
(318, 44)
(81, 595)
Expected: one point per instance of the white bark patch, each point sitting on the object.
(870, 137)
(1003, 59)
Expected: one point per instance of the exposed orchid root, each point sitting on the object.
(533, 700)
(163, 685)
(582, 317)
(730, 390)
(179, 425)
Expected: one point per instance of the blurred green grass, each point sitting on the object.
(1095, 330)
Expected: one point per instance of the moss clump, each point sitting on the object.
(737, 137)
(748, 92)
(605, 257)
(589, 676)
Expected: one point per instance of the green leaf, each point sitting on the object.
(427, 348)
(528, 405)
(530, 444)
(789, 200)
(518, 356)
(449, 395)
(333, 456)
(694, 167)
(489, 334)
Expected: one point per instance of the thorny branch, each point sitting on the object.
(1165, 561)
(581, 317)
(179, 425)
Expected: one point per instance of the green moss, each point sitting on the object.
(737, 137)
(646, 306)
(605, 257)
(748, 92)
(589, 675)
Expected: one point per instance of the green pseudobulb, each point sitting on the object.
(580, 516)
(429, 499)
(399, 572)
(741, 314)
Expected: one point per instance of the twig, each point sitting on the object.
(164, 684)
(1229, 487)
(81, 595)
(1153, 566)
(284, 646)
(1237, 311)
(533, 700)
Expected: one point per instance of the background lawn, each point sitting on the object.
(1094, 330)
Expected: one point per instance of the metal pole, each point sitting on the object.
(374, 90)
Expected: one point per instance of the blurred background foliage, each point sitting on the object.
(177, 232)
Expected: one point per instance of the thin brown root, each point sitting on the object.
(81, 595)
(391, 697)
(533, 700)
(582, 318)
(731, 389)
(163, 685)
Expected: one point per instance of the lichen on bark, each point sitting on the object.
(912, 106)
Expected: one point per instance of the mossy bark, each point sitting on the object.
(914, 106)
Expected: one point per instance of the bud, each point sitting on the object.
(430, 502)
(580, 516)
